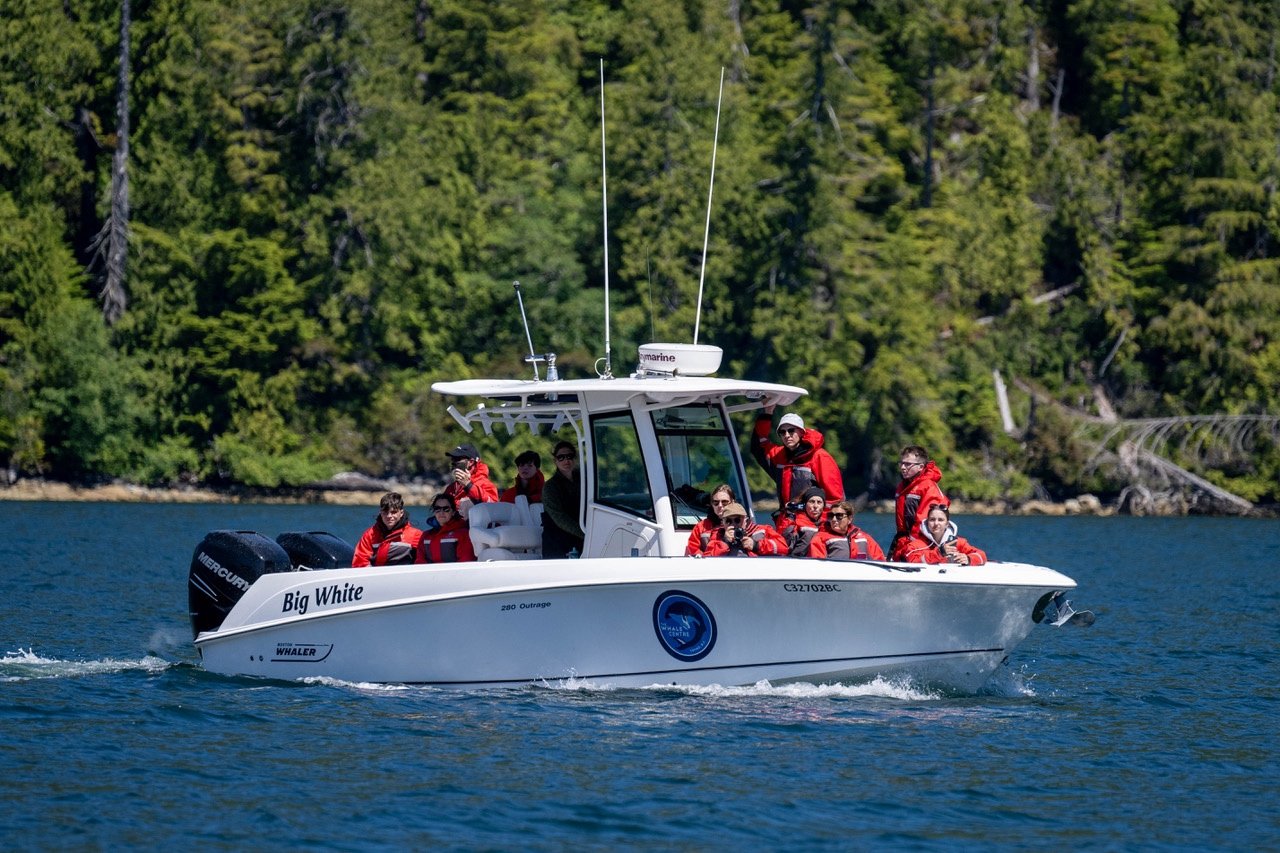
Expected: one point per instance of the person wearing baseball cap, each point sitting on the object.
(798, 462)
(739, 535)
(468, 479)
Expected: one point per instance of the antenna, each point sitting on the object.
(707, 231)
(533, 358)
(653, 334)
(604, 201)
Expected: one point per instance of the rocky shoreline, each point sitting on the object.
(357, 490)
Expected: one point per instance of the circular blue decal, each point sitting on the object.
(684, 625)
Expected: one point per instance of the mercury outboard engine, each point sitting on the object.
(224, 566)
(316, 550)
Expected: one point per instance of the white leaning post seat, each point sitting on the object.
(503, 531)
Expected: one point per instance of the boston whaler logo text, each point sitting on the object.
(222, 571)
(300, 602)
(301, 652)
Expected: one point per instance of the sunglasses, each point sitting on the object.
(787, 430)
(562, 457)
(905, 464)
(737, 519)
(836, 515)
(442, 509)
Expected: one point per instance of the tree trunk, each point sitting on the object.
(114, 297)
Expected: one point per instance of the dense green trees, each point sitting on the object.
(331, 198)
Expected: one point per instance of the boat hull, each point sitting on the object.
(633, 622)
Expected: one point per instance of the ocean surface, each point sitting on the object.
(1155, 729)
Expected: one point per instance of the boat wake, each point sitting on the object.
(26, 665)
(1005, 683)
(880, 687)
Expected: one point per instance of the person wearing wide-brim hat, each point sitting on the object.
(739, 535)
(469, 481)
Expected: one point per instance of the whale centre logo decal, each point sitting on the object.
(684, 625)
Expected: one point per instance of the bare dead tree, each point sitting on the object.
(1032, 92)
(114, 297)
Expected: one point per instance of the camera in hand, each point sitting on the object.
(739, 536)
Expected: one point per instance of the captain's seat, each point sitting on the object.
(503, 531)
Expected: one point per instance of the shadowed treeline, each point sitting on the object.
(327, 203)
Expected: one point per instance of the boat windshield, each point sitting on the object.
(619, 465)
(698, 454)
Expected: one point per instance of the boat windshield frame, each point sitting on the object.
(699, 451)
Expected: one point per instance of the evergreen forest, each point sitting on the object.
(239, 239)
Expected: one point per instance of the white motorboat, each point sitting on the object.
(632, 610)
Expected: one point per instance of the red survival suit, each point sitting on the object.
(854, 544)
(700, 536)
(922, 549)
(480, 490)
(914, 499)
(768, 542)
(809, 465)
(449, 543)
(377, 544)
(532, 491)
(799, 531)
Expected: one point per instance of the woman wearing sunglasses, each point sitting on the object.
(451, 541)
(721, 496)
(840, 539)
(562, 504)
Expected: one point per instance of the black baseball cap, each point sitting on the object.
(463, 451)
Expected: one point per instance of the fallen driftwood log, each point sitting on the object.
(1134, 457)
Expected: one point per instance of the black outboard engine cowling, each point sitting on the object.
(316, 549)
(224, 566)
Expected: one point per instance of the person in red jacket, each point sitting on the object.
(451, 541)
(740, 536)
(470, 476)
(938, 542)
(798, 462)
(721, 497)
(841, 539)
(799, 528)
(529, 479)
(392, 540)
(917, 493)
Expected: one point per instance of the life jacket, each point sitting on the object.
(768, 542)
(809, 465)
(853, 544)
(977, 557)
(914, 499)
(450, 544)
(798, 530)
(382, 547)
(700, 536)
(480, 490)
(531, 490)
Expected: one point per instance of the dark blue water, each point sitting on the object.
(1154, 729)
